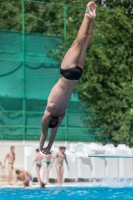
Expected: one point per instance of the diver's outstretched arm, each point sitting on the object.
(46, 150)
(42, 140)
(45, 122)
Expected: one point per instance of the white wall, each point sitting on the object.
(19, 149)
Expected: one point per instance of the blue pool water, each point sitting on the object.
(65, 193)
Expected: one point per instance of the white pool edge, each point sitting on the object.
(67, 185)
(47, 186)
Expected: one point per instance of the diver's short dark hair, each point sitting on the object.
(37, 150)
(17, 171)
(62, 148)
(53, 122)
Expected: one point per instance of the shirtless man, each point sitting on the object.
(11, 158)
(38, 159)
(23, 176)
(47, 167)
(70, 71)
(60, 156)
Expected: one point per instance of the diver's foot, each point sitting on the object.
(91, 10)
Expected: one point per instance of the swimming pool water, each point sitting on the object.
(67, 193)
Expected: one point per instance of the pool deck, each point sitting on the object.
(74, 184)
(78, 184)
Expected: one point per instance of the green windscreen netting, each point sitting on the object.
(26, 77)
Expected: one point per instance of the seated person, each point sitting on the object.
(23, 176)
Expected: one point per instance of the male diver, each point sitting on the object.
(70, 71)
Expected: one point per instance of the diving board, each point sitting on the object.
(111, 155)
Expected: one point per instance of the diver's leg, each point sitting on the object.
(81, 59)
(71, 58)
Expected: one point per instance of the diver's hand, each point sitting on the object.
(46, 151)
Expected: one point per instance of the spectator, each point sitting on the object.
(47, 167)
(38, 159)
(60, 156)
(23, 176)
(11, 158)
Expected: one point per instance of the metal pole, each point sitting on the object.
(65, 26)
(66, 126)
(24, 72)
(54, 4)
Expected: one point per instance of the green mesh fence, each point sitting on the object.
(26, 77)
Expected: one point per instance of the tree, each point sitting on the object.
(39, 18)
(107, 82)
(127, 5)
(45, 18)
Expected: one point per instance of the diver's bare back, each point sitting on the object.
(59, 96)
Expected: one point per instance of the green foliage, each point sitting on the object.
(40, 18)
(45, 18)
(107, 82)
(126, 4)
(10, 15)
